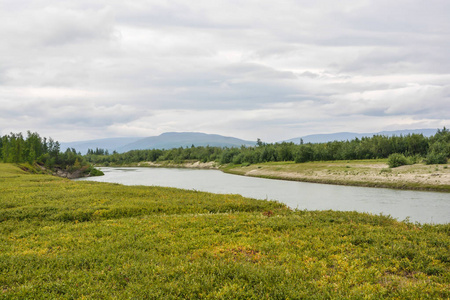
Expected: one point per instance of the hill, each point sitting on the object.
(109, 144)
(171, 140)
(166, 140)
(343, 136)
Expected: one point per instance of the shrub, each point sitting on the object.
(415, 159)
(238, 159)
(94, 172)
(397, 160)
(438, 153)
(436, 158)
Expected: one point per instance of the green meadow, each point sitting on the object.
(62, 239)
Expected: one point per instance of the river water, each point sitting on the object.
(422, 207)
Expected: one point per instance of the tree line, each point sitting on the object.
(15, 148)
(33, 149)
(432, 150)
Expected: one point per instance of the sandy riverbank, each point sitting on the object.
(360, 173)
(191, 165)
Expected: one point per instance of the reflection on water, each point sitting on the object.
(423, 207)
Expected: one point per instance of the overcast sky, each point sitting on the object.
(87, 69)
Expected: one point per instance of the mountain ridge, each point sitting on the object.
(169, 140)
(343, 136)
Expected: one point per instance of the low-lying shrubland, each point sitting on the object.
(66, 239)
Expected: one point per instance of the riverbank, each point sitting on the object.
(78, 239)
(169, 164)
(188, 164)
(71, 173)
(368, 173)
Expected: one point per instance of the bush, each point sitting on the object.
(438, 153)
(415, 159)
(397, 160)
(94, 172)
(436, 158)
(238, 159)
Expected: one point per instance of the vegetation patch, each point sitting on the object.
(397, 160)
(41, 155)
(73, 239)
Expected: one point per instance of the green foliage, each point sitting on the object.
(397, 160)
(98, 151)
(439, 152)
(94, 172)
(64, 239)
(14, 148)
(436, 158)
(413, 146)
(304, 154)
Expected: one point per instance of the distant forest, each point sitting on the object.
(411, 148)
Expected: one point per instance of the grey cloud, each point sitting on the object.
(65, 27)
(160, 15)
(426, 101)
(236, 85)
(52, 26)
(70, 111)
(255, 71)
(109, 64)
(401, 16)
(309, 74)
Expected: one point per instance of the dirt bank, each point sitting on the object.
(359, 173)
(191, 165)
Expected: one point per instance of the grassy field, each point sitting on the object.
(373, 173)
(70, 240)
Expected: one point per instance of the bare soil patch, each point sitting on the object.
(191, 165)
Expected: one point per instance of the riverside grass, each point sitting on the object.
(83, 240)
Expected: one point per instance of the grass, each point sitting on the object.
(71, 240)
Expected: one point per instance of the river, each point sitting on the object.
(422, 207)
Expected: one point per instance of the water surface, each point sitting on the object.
(423, 207)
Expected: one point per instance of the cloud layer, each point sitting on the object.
(253, 69)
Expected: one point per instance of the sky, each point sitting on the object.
(274, 70)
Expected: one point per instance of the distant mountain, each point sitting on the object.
(110, 144)
(167, 140)
(343, 136)
(171, 140)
